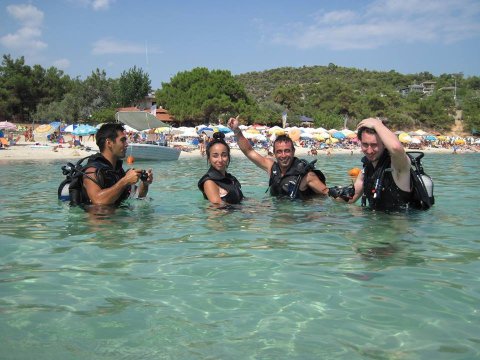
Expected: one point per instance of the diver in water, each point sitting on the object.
(289, 176)
(384, 183)
(102, 181)
(218, 186)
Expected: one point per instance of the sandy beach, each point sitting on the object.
(47, 152)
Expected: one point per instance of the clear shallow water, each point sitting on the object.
(172, 278)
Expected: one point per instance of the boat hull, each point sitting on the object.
(153, 152)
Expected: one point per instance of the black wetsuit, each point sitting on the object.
(106, 175)
(284, 185)
(228, 182)
(379, 188)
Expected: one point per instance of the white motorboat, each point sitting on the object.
(141, 120)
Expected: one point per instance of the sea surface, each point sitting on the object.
(174, 278)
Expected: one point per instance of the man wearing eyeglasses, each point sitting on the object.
(384, 182)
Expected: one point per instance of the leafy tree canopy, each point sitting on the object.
(203, 96)
(133, 85)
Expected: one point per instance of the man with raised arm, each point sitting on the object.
(289, 176)
(384, 182)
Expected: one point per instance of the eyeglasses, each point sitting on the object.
(366, 146)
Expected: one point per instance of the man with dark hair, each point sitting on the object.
(385, 180)
(289, 176)
(104, 180)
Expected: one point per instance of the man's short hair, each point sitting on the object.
(283, 138)
(107, 131)
(365, 129)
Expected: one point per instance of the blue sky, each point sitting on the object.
(166, 37)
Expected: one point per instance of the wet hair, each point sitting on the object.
(107, 131)
(283, 138)
(218, 138)
(364, 129)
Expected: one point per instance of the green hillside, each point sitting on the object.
(332, 95)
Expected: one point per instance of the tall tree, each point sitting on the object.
(133, 86)
(16, 79)
(201, 96)
(95, 93)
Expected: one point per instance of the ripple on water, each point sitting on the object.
(172, 277)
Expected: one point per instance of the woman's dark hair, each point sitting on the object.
(218, 138)
(107, 131)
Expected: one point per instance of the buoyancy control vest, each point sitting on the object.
(106, 176)
(227, 182)
(379, 187)
(288, 184)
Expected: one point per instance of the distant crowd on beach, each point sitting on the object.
(262, 138)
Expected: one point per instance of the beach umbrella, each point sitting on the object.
(348, 133)
(420, 132)
(306, 135)
(277, 130)
(319, 130)
(42, 132)
(294, 133)
(229, 135)
(7, 125)
(430, 138)
(83, 130)
(404, 138)
(45, 129)
(200, 127)
(273, 129)
(249, 135)
(322, 136)
(352, 135)
(189, 132)
(205, 129)
(459, 141)
(252, 130)
(332, 141)
(56, 124)
(162, 129)
(338, 135)
(223, 129)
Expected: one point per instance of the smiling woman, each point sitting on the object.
(218, 186)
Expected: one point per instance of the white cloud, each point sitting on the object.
(388, 21)
(101, 4)
(111, 46)
(335, 17)
(62, 64)
(27, 39)
(27, 15)
(94, 4)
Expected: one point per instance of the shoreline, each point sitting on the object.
(29, 151)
